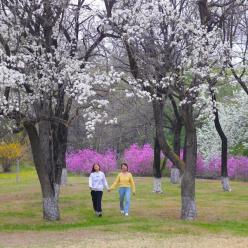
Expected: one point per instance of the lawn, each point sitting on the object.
(221, 215)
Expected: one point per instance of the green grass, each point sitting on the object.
(218, 212)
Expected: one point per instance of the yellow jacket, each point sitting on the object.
(124, 180)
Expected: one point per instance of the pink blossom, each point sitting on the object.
(237, 167)
(81, 161)
(139, 159)
(200, 164)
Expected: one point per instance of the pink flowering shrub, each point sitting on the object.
(81, 161)
(139, 159)
(140, 162)
(237, 167)
(213, 168)
(200, 164)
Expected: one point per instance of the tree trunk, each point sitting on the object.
(185, 148)
(60, 134)
(205, 20)
(6, 164)
(175, 172)
(64, 177)
(158, 107)
(175, 175)
(49, 144)
(157, 173)
(218, 127)
(188, 211)
(42, 155)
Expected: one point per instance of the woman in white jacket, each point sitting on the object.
(97, 182)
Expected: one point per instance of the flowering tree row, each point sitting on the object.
(56, 56)
(140, 160)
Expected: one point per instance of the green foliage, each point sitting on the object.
(239, 150)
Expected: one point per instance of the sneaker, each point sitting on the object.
(126, 214)
(122, 212)
(100, 215)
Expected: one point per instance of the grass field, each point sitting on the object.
(154, 218)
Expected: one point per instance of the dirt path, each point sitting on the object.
(89, 239)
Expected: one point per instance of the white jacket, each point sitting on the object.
(97, 181)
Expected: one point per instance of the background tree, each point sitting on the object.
(233, 116)
(212, 20)
(9, 153)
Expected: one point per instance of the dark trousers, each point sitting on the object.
(97, 200)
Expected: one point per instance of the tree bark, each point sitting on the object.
(188, 169)
(64, 177)
(157, 173)
(185, 148)
(175, 172)
(220, 131)
(188, 210)
(60, 134)
(206, 20)
(41, 139)
(41, 150)
(49, 144)
(175, 175)
(6, 164)
(158, 106)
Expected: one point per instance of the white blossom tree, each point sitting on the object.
(233, 118)
(170, 53)
(48, 62)
(224, 15)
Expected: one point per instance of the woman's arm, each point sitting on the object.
(90, 181)
(132, 183)
(116, 182)
(105, 183)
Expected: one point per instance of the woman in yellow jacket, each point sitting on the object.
(125, 181)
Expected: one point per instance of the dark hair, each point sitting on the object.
(93, 169)
(125, 164)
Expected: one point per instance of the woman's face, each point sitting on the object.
(96, 167)
(124, 168)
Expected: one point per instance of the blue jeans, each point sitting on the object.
(125, 194)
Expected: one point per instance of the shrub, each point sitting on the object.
(140, 162)
(239, 150)
(139, 159)
(81, 161)
(9, 152)
(237, 167)
(200, 164)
